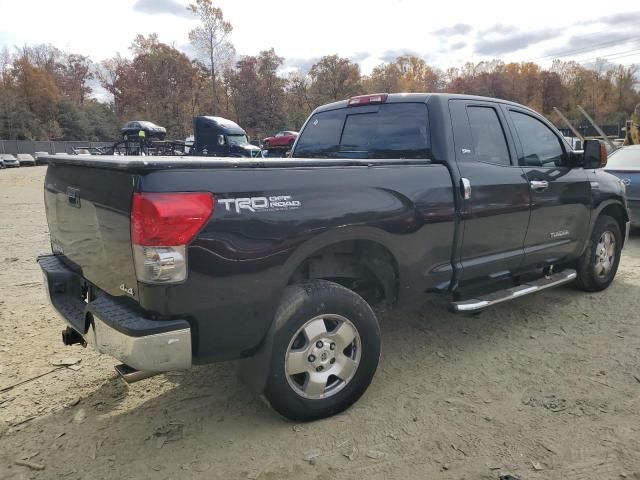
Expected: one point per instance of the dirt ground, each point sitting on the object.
(546, 387)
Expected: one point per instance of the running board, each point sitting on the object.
(484, 301)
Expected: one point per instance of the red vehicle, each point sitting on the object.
(282, 139)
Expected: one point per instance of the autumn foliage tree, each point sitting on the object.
(44, 94)
(258, 93)
(210, 41)
(334, 78)
(157, 85)
(48, 94)
(406, 74)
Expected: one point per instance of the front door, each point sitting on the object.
(560, 195)
(495, 212)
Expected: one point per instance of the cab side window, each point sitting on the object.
(541, 147)
(489, 142)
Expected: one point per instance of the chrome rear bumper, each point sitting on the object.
(113, 328)
(159, 352)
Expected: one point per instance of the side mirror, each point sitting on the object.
(595, 154)
(220, 140)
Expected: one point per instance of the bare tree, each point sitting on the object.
(210, 40)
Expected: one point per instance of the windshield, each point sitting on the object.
(624, 158)
(396, 130)
(237, 140)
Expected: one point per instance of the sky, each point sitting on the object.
(368, 32)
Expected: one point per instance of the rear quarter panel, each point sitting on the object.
(242, 259)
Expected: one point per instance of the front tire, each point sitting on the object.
(599, 263)
(325, 351)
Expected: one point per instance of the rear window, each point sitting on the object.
(395, 130)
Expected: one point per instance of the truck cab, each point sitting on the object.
(219, 137)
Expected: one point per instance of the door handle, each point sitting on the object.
(539, 185)
(466, 188)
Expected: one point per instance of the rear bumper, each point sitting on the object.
(114, 328)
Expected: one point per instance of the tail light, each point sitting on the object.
(367, 99)
(162, 225)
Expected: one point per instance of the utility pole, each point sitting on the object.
(568, 124)
(598, 129)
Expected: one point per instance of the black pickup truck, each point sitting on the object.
(167, 262)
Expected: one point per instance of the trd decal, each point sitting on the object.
(260, 204)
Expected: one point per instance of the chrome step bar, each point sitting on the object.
(493, 298)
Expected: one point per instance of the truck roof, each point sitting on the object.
(420, 97)
(226, 125)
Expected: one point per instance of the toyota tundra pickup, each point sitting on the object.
(163, 263)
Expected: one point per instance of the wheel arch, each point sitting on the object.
(618, 212)
(255, 369)
(347, 251)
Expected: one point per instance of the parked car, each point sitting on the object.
(151, 130)
(2, 165)
(26, 159)
(10, 160)
(624, 163)
(281, 140)
(190, 261)
(40, 157)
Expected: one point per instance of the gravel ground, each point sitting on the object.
(546, 387)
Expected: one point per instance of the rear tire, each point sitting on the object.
(599, 263)
(326, 348)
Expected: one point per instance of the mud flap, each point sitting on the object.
(254, 371)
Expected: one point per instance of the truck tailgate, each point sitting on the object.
(88, 212)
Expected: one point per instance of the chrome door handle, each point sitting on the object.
(539, 185)
(466, 188)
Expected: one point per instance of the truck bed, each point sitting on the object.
(135, 163)
(407, 207)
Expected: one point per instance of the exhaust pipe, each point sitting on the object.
(131, 375)
(71, 337)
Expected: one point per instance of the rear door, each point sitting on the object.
(495, 210)
(560, 195)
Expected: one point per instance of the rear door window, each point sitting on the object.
(489, 142)
(396, 130)
(321, 136)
